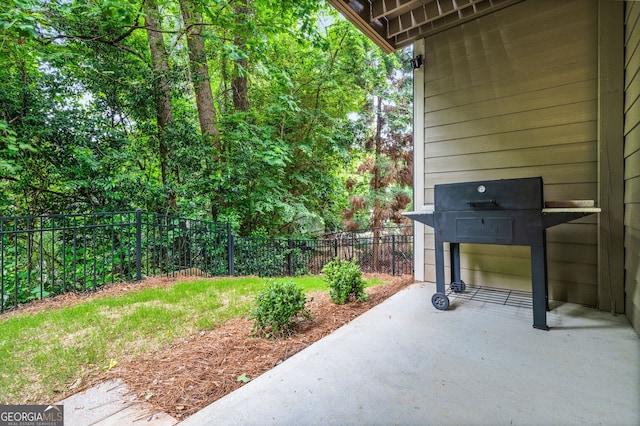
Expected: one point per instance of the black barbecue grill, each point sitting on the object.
(507, 211)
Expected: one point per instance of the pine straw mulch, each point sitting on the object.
(192, 373)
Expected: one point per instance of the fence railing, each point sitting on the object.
(41, 256)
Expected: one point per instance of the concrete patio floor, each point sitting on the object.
(479, 363)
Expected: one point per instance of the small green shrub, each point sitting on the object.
(345, 281)
(276, 308)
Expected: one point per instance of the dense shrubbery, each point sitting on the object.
(344, 278)
(276, 308)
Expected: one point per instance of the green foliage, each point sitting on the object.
(243, 378)
(345, 282)
(79, 109)
(276, 309)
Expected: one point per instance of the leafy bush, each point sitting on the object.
(344, 278)
(276, 308)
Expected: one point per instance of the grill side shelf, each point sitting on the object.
(425, 218)
(556, 216)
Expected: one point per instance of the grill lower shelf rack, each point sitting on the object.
(496, 296)
(505, 212)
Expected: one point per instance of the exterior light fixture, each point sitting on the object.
(416, 62)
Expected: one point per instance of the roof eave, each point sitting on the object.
(363, 25)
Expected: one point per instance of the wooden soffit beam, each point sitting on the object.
(393, 24)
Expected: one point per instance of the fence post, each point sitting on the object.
(335, 248)
(138, 245)
(29, 246)
(231, 249)
(393, 254)
(353, 247)
(289, 260)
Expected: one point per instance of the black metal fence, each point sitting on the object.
(41, 256)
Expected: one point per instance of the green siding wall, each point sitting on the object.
(632, 162)
(514, 94)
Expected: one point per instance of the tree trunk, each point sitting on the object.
(239, 84)
(200, 72)
(162, 88)
(377, 185)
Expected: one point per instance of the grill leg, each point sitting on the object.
(440, 300)
(440, 288)
(455, 262)
(539, 286)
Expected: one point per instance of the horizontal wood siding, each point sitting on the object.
(514, 94)
(632, 163)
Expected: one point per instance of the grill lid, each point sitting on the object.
(503, 194)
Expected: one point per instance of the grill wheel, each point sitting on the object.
(440, 301)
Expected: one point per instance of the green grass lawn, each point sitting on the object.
(42, 354)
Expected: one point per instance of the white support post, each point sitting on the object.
(418, 160)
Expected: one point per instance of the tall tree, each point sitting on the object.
(161, 86)
(200, 71)
(243, 12)
(386, 171)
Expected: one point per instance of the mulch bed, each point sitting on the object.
(194, 372)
